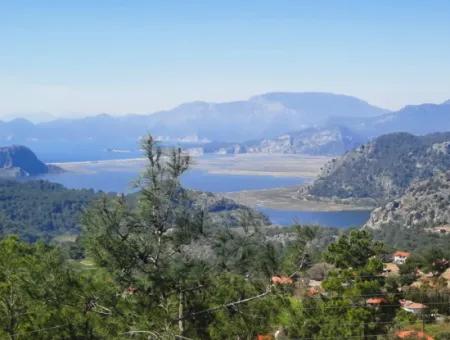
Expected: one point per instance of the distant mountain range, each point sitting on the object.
(384, 168)
(262, 116)
(415, 119)
(275, 122)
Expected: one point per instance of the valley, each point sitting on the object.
(266, 182)
(220, 170)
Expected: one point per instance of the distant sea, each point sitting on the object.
(121, 181)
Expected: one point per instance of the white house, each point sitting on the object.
(400, 257)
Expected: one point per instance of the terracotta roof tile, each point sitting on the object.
(376, 301)
(412, 334)
(282, 280)
(402, 253)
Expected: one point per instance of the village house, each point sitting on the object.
(400, 257)
(412, 334)
(313, 291)
(264, 337)
(413, 307)
(281, 280)
(376, 301)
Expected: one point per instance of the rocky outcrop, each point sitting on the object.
(331, 141)
(19, 161)
(313, 141)
(425, 204)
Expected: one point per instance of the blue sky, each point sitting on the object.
(78, 57)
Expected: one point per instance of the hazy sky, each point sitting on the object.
(77, 57)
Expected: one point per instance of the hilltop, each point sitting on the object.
(19, 161)
(384, 168)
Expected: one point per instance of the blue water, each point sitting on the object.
(107, 181)
(202, 180)
(121, 181)
(336, 219)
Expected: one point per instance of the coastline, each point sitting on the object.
(305, 168)
(277, 165)
(287, 199)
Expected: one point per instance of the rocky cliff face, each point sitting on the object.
(383, 169)
(425, 204)
(312, 141)
(18, 161)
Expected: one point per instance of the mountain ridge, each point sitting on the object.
(329, 141)
(264, 116)
(383, 168)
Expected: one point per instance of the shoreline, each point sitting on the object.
(286, 199)
(305, 168)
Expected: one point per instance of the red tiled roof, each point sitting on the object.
(412, 305)
(312, 291)
(376, 301)
(282, 280)
(402, 253)
(411, 334)
(264, 337)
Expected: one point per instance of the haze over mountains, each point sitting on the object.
(305, 118)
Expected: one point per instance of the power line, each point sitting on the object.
(40, 330)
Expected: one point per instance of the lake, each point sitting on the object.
(119, 177)
(335, 219)
(121, 181)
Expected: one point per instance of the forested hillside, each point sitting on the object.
(43, 210)
(383, 169)
(39, 209)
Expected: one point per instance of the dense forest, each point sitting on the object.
(41, 210)
(156, 266)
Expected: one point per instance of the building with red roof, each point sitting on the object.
(412, 334)
(281, 280)
(413, 307)
(400, 257)
(376, 301)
